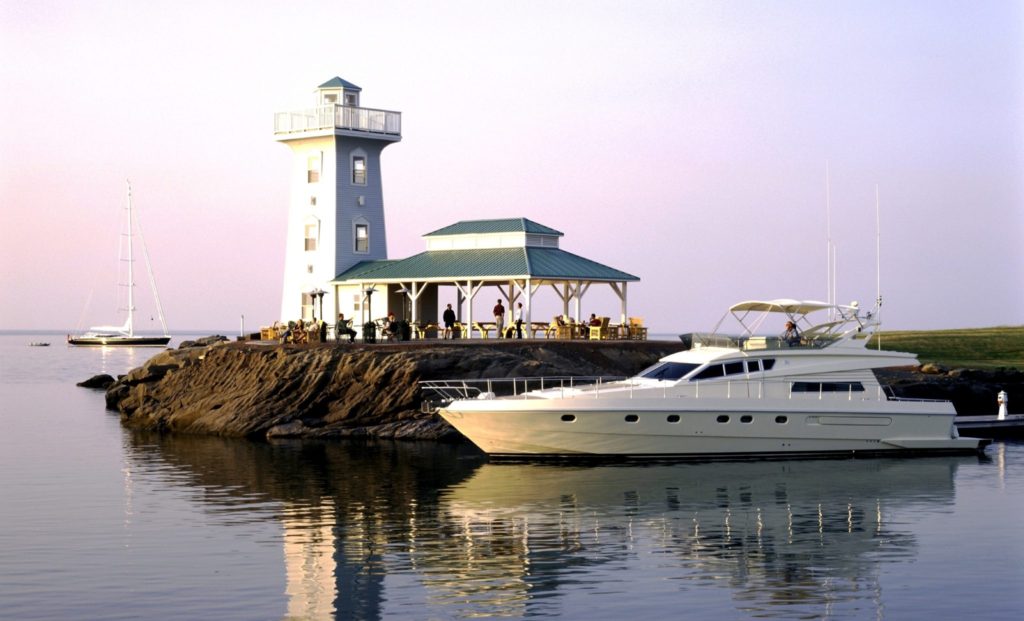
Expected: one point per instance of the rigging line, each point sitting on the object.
(149, 271)
(85, 309)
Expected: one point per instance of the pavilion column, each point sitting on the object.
(622, 317)
(527, 314)
(579, 299)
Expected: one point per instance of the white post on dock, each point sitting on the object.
(1002, 398)
(241, 331)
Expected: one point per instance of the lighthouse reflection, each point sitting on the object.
(376, 530)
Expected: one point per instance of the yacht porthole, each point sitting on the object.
(782, 420)
(673, 418)
(723, 418)
(568, 418)
(746, 418)
(632, 418)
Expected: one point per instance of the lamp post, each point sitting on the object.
(369, 330)
(319, 294)
(369, 302)
(312, 297)
(405, 298)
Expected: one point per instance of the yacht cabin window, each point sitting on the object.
(817, 387)
(734, 367)
(668, 371)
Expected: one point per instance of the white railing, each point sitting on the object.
(335, 116)
(443, 392)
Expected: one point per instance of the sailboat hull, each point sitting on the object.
(121, 341)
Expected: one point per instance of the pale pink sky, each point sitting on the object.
(684, 142)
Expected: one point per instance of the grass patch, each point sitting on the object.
(976, 348)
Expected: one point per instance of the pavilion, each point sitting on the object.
(518, 256)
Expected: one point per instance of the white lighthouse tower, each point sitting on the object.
(336, 207)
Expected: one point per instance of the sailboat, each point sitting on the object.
(125, 333)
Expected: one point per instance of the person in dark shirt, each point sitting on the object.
(449, 321)
(499, 318)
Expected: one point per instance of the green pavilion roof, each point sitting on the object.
(504, 225)
(487, 263)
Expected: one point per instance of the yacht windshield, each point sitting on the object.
(668, 370)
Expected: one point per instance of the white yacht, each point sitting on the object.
(810, 393)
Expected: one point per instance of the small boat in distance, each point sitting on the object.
(38, 344)
(125, 333)
(809, 392)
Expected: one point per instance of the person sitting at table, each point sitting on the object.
(594, 320)
(344, 327)
(391, 327)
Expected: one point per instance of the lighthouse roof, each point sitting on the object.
(337, 82)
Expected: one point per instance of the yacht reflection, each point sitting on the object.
(804, 533)
(482, 539)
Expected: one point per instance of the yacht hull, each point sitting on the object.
(711, 428)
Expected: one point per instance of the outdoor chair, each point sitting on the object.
(637, 331)
(602, 331)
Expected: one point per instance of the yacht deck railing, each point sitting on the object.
(440, 393)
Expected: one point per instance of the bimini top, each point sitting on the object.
(783, 305)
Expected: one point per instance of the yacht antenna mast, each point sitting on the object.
(878, 268)
(829, 247)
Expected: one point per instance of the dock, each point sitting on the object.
(1012, 426)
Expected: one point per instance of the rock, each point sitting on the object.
(97, 381)
(972, 391)
(203, 342)
(322, 391)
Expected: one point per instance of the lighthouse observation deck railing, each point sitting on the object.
(336, 116)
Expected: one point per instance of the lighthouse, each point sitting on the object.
(336, 204)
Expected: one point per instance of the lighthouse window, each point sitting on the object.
(313, 169)
(362, 238)
(311, 236)
(359, 170)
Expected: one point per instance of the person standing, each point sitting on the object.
(449, 321)
(499, 318)
(519, 320)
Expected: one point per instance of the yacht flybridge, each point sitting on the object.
(809, 392)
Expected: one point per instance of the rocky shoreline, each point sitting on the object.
(266, 390)
(262, 390)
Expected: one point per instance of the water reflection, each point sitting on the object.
(375, 529)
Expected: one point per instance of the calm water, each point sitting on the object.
(97, 522)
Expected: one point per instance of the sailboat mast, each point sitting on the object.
(131, 260)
